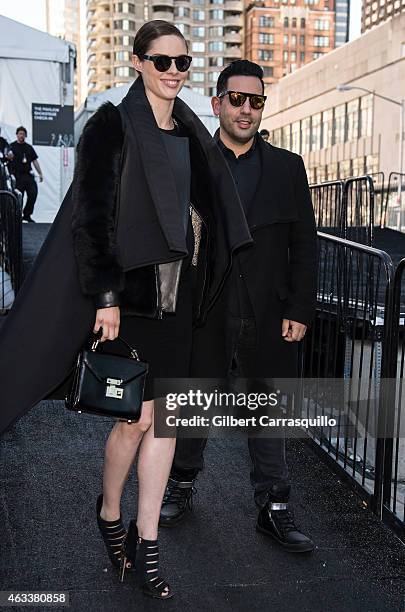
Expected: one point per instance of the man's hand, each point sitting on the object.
(292, 331)
(109, 320)
(41, 178)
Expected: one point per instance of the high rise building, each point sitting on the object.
(63, 19)
(212, 28)
(373, 12)
(282, 35)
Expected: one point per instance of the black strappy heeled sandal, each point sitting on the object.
(113, 533)
(144, 554)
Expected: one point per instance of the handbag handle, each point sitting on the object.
(133, 352)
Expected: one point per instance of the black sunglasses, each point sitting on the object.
(163, 62)
(238, 98)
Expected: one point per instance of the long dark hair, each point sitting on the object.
(152, 30)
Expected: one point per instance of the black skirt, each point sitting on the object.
(165, 344)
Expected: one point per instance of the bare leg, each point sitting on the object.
(154, 463)
(120, 452)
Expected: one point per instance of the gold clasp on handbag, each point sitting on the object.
(112, 388)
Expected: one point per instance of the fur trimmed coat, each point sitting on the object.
(133, 190)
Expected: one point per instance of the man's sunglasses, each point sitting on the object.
(163, 62)
(238, 98)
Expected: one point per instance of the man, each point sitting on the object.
(265, 134)
(24, 155)
(267, 303)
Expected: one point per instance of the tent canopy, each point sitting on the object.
(22, 42)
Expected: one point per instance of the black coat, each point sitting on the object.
(279, 271)
(54, 312)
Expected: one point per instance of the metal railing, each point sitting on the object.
(352, 340)
(11, 258)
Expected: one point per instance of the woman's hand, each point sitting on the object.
(109, 320)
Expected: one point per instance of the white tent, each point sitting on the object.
(201, 105)
(37, 69)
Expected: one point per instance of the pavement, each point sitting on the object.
(50, 477)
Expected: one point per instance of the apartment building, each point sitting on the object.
(374, 12)
(283, 35)
(212, 28)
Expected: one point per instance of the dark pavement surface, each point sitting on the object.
(51, 475)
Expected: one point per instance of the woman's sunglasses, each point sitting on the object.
(163, 62)
(238, 98)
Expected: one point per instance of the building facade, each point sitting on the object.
(349, 133)
(283, 35)
(374, 12)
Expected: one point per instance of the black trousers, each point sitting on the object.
(269, 465)
(26, 183)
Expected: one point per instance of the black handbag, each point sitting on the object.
(108, 385)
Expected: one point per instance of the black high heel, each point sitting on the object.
(144, 555)
(113, 533)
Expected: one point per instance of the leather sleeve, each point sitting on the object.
(95, 184)
(301, 302)
(106, 299)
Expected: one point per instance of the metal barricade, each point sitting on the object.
(358, 209)
(11, 256)
(349, 341)
(394, 211)
(327, 199)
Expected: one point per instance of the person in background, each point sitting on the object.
(265, 134)
(25, 155)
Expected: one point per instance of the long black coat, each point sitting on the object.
(54, 312)
(279, 271)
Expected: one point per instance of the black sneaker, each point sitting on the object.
(177, 499)
(277, 521)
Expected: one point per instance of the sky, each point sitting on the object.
(32, 13)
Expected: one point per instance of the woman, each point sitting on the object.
(125, 218)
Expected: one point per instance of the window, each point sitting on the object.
(184, 28)
(293, 56)
(124, 24)
(216, 31)
(302, 39)
(285, 56)
(265, 55)
(305, 135)
(198, 47)
(216, 1)
(294, 22)
(216, 61)
(216, 45)
(339, 132)
(366, 116)
(317, 54)
(353, 119)
(268, 71)
(266, 22)
(213, 76)
(124, 71)
(197, 77)
(122, 56)
(321, 41)
(199, 15)
(266, 39)
(293, 40)
(302, 22)
(125, 7)
(286, 22)
(217, 14)
(199, 32)
(198, 62)
(277, 138)
(321, 24)
(285, 39)
(296, 137)
(286, 136)
(302, 56)
(316, 132)
(181, 11)
(199, 90)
